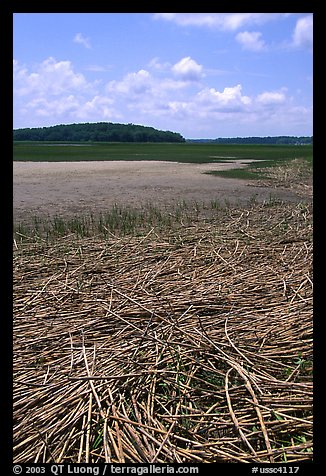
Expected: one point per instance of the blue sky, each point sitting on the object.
(204, 75)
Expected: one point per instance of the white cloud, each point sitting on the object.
(234, 21)
(142, 84)
(19, 72)
(99, 68)
(158, 66)
(82, 40)
(187, 69)
(41, 106)
(303, 33)
(50, 78)
(192, 19)
(219, 112)
(166, 96)
(221, 21)
(97, 107)
(54, 91)
(226, 107)
(271, 97)
(208, 105)
(251, 40)
(72, 108)
(231, 98)
(132, 84)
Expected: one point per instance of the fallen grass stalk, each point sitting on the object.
(180, 346)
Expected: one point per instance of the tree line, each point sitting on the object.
(276, 140)
(96, 132)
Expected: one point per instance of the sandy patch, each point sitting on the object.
(50, 188)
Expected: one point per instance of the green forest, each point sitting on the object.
(115, 132)
(96, 132)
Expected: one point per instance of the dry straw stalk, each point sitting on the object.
(187, 346)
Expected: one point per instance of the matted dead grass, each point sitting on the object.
(296, 175)
(180, 346)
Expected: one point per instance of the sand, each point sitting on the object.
(68, 188)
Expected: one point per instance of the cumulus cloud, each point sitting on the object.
(142, 84)
(82, 40)
(271, 97)
(54, 90)
(44, 107)
(51, 77)
(188, 70)
(132, 84)
(229, 98)
(210, 104)
(50, 110)
(303, 33)
(251, 40)
(97, 107)
(228, 104)
(157, 65)
(176, 95)
(72, 108)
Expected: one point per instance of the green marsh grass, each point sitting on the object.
(123, 220)
(260, 169)
(183, 152)
(119, 220)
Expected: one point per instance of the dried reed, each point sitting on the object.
(188, 346)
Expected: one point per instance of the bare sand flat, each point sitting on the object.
(66, 188)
